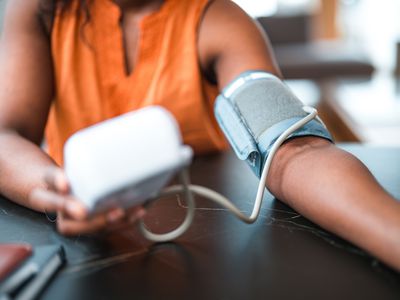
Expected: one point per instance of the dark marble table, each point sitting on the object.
(281, 256)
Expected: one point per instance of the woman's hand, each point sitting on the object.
(72, 216)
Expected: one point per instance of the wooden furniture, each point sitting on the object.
(281, 256)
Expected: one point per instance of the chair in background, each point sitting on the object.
(299, 56)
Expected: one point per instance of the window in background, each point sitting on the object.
(375, 24)
(257, 8)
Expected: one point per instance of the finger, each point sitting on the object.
(119, 219)
(115, 215)
(47, 200)
(75, 209)
(50, 201)
(113, 218)
(56, 180)
(130, 217)
(136, 213)
(70, 227)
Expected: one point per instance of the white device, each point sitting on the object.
(129, 159)
(125, 160)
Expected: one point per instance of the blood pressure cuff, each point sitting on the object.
(254, 110)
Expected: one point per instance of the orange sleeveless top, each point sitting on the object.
(92, 85)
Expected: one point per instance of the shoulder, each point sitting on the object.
(225, 21)
(231, 42)
(226, 12)
(27, 15)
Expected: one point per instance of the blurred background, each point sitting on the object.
(342, 56)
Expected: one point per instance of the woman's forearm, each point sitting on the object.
(335, 190)
(22, 168)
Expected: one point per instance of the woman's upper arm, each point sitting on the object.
(26, 71)
(230, 42)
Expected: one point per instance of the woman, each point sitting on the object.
(101, 58)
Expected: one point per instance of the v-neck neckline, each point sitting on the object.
(111, 52)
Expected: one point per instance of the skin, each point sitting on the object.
(305, 173)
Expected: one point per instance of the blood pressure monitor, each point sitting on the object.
(125, 160)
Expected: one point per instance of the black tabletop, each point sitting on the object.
(281, 256)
